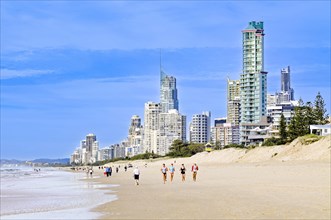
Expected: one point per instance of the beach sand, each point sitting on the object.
(231, 184)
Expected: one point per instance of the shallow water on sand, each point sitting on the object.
(49, 194)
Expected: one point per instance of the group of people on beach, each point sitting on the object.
(164, 171)
(171, 169)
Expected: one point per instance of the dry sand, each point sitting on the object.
(294, 183)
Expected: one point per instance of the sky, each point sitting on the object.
(70, 68)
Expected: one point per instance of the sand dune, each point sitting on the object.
(317, 151)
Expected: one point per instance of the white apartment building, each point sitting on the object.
(225, 134)
(88, 150)
(275, 112)
(135, 137)
(172, 126)
(200, 128)
(76, 156)
(151, 126)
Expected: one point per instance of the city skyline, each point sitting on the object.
(57, 91)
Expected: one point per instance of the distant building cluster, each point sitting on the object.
(252, 114)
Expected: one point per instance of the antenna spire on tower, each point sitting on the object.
(162, 74)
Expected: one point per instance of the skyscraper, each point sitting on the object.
(168, 93)
(90, 139)
(253, 80)
(253, 87)
(285, 79)
(287, 93)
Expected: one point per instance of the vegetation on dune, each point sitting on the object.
(234, 146)
(304, 115)
(309, 138)
(182, 149)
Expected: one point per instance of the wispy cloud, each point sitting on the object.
(9, 73)
(111, 24)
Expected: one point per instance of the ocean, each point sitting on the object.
(50, 193)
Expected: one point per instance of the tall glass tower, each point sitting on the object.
(287, 92)
(168, 93)
(253, 80)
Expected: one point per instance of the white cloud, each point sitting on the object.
(8, 73)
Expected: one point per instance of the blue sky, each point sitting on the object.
(69, 68)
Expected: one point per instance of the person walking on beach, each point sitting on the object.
(108, 171)
(136, 173)
(164, 170)
(182, 171)
(195, 169)
(90, 171)
(172, 172)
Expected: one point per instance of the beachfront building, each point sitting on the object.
(104, 154)
(168, 92)
(274, 113)
(322, 130)
(76, 158)
(172, 126)
(253, 83)
(87, 152)
(95, 151)
(233, 101)
(255, 133)
(118, 150)
(135, 137)
(200, 128)
(151, 126)
(225, 134)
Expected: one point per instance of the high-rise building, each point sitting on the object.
(233, 101)
(135, 137)
(254, 125)
(168, 93)
(253, 80)
(285, 79)
(90, 139)
(87, 153)
(151, 126)
(200, 128)
(172, 127)
(287, 93)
